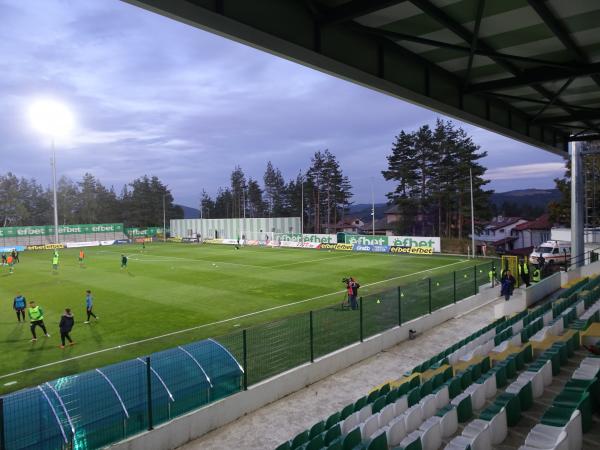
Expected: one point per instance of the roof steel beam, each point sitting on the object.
(535, 76)
(579, 116)
(354, 9)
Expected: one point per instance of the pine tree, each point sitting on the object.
(274, 191)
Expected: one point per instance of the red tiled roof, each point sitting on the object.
(494, 225)
(541, 223)
(506, 240)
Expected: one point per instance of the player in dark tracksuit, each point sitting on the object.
(66, 325)
(19, 305)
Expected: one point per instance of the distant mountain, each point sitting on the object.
(363, 210)
(532, 197)
(190, 213)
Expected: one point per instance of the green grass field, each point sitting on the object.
(168, 288)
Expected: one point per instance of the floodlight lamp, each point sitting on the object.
(51, 118)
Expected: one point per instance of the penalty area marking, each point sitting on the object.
(173, 333)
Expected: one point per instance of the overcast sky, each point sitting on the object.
(154, 96)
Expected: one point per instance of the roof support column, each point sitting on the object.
(577, 204)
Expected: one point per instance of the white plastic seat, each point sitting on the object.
(410, 438)
(442, 397)
(350, 423)
(595, 362)
(490, 387)
(585, 373)
(431, 437)
(547, 318)
(546, 372)
(386, 415)
(477, 393)
(401, 405)
(517, 327)
(413, 418)
(537, 382)
(459, 443)
(580, 308)
(500, 347)
(547, 437)
(370, 426)
(479, 432)
(395, 431)
(499, 427)
(364, 413)
(574, 431)
(516, 340)
(449, 423)
(428, 406)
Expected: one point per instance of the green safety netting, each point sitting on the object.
(95, 408)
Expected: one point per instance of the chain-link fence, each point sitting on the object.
(95, 408)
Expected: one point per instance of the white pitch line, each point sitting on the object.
(310, 261)
(173, 333)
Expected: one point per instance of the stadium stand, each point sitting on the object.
(471, 394)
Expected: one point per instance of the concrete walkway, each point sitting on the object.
(271, 425)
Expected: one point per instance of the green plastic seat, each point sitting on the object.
(454, 387)
(464, 409)
(490, 412)
(448, 373)
(465, 379)
(511, 366)
(316, 430)
(414, 396)
(384, 389)
(426, 388)
(360, 404)
(415, 382)
(442, 411)
(378, 404)
(336, 445)
(332, 420)
(352, 440)
(513, 407)
(391, 396)
(526, 396)
(475, 370)
(557, 416)
(579, 400)
(562, 352)
(315, 443)
(527, 353)
(285, 446)
(485, 365)
(414, 445)
(372, 396)
(332, 434)
(437, 380)
(554, 356)
(347, 411)
(378, 443)
(403, 389)
(300, 439)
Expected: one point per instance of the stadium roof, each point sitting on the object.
(529, 69)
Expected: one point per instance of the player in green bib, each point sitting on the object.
(55, 261)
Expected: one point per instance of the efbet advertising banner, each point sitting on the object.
(343, 247)
(397, 241)
(416, 241)
(48, 230)
(144, 232)
(371, 248)
(298, 237)
(412, 250)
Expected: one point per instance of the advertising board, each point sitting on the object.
(412, 250)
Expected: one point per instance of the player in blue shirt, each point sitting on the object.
(89, 304)
(19, 305)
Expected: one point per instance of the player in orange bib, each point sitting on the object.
(11, 262)
(81, 258)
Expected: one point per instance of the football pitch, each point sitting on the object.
(172, 294)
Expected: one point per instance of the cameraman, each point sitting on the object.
(352, 287)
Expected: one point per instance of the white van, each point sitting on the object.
(553, 252)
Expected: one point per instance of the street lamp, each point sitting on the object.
(52, 119)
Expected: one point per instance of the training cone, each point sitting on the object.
(378, 301)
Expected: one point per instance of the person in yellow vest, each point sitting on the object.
(524, 272)
(536, 275)
(36, 317)
(492, 276)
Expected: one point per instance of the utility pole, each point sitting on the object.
(472, 215)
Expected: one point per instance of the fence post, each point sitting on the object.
(454, 283)
(475, 279)
(361, 319)
(2, 436)
(245, 359)
(312, 343)
(149, 393)
(399, 306)
(429, 295)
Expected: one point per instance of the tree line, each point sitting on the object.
(323, 190)
(140, 203)
(430, 168)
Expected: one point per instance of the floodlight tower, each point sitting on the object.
(52, 119)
